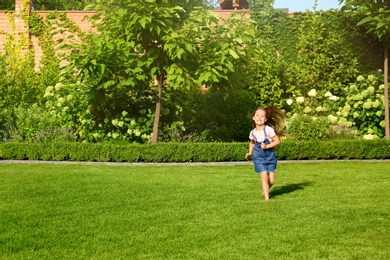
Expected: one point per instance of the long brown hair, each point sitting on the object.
(275, 118)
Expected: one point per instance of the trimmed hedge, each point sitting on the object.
(192, 152)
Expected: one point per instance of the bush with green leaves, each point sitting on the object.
(359, 106)
(363, 107)
(305, 127)
(37, 124)
(322, 62)
(74, 105)
(222, 116)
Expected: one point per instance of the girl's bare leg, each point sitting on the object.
(271, 179)
(265, 185)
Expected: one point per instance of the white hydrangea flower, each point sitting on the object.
(137, 132)
(289, 101)
(114, 122)
(382, 123)
(319, 109)
(368, 104)
(371, 78)
(58, 86)
(381, 87)
(371, 89)
(376, 104)
(347, 108)
(333, 98)
(328, 94)
(300, 100)
(360, 78)
(69, 97)
(333, 119)
(307, 110)
(48, 94)
(96, 135)
(358, 97)
(312, 93)
(124, 113)
(355, 115)
(115, 135)
(346, 123)
(353, 87)
(129, 131)
(120, 123)
(368, 137)
(379, 113)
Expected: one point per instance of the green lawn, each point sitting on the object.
(330, 210)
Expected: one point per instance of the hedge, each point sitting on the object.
(192, 152)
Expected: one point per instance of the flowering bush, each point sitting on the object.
(360, 106)
(363, 106)
(72, 105)
(304, 127)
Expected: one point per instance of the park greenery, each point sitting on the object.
(172, 71)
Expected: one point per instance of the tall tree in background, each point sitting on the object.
(163, 43)
(72, 4)
(376, 15)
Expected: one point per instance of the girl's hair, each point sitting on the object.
(275, 118)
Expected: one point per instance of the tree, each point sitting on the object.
(377, 19)
(49, 4)
(160, 44)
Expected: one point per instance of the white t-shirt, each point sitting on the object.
(270, 132)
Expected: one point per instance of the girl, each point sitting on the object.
(263, 139)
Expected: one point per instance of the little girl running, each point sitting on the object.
(268, 123)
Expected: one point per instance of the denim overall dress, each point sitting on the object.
(263, 159)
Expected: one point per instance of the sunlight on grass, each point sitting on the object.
(334, 210)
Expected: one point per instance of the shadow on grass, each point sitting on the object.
(278, 191)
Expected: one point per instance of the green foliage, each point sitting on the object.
(7, 5)
(321, 63)
(364, 106)
(74, 105)
(219, 115)
(36, 124)
(139, 53)
(265, 79)
(376, 15)
(192, 152)
(335, 149)
(304, 127)
(359, 106)
(19, 81)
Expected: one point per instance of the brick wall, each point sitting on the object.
(75, 16)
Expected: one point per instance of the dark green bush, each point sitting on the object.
(192, 152)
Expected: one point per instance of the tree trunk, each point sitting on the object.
(386, 83)
(156, 122)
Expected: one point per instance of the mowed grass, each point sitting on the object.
(330, 210)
